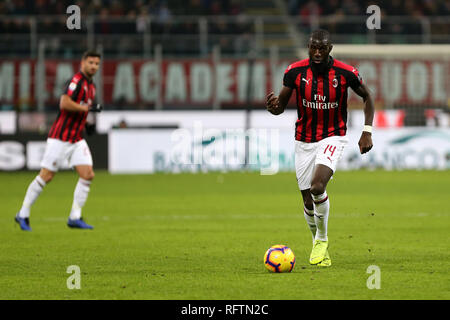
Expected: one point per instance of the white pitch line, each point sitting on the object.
(239, 216)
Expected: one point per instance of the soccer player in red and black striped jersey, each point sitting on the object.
(66, 144)
(321, 84)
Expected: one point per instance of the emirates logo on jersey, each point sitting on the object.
(320, 103)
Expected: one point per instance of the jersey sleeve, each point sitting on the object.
(354, 79)
(73, 87)
(289, 78)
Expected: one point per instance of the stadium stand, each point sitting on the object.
(237, 26)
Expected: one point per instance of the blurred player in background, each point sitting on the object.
(321, 84)
(65, 143)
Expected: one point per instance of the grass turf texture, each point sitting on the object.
(204, 237)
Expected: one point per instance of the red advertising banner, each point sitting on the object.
(140, 84)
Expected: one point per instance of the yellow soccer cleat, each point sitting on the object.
(318, 252)
(326, 262)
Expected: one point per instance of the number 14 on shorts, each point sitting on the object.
(330, 151)
(330, 148)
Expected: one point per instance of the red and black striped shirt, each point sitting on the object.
(69, 125)
(321, 98)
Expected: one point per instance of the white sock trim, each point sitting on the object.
(308, 211)
(41, 181)
(84, 181)
(319, 198)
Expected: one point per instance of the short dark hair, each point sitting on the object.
(91, 53)
(320, 34)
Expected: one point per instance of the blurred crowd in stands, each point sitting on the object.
(115, 16)
(410, 13)
(162, 8)
(358, 7)
(157, 17)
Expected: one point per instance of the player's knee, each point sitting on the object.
(88, 175)
(317, 188)
(47, 179)
(47, 176)
(91, 175)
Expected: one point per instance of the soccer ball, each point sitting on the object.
(279, 258)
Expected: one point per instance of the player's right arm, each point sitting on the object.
(69, 97)
(277, 105)
(66, 103)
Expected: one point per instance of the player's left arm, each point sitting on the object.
(365, 142)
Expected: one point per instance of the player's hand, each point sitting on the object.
(96, 108)
(365, 142)
(272, 103)
(91, 128)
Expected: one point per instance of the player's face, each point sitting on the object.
(90, 65)
(319, 50)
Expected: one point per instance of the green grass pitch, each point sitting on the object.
(203, 236)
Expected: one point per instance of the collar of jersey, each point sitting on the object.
(330, 62)
(84, 76)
